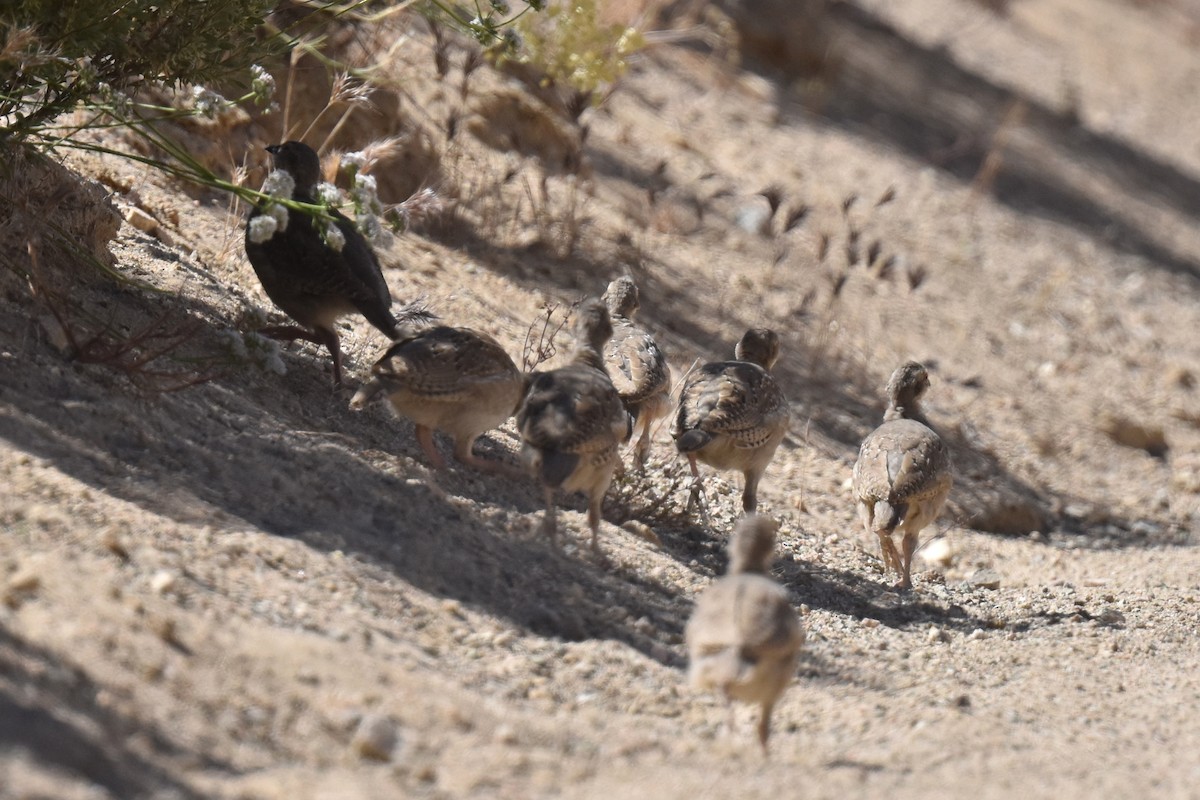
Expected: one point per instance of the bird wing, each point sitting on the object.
(444, 362)
(636, 364)
(574, 409)
(298, 269)
(901, 460)
(367, 288)
(732, 398)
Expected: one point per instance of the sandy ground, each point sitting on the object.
(243, 590)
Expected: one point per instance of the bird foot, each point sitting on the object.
(491, 466)
(699, 501)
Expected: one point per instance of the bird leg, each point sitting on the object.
(750, 493)
(425, 439)
(329, 338)
(549, 523)
(764, 726)
(891, 558)
(909, 543)
(322, 336)
(696, 497)
(594, 506)
(289, 333)
(641, 448)
(465, 455)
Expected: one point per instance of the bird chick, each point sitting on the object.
(732, 414)
(636, 364)
(744, 637)
(456, 380)
(572, 422)
(307, 277)
(903, 472)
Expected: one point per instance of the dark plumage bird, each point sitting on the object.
(732, 414)
(903, 473)
(310, 281)
(636, 364)
(455, 380)
(573, 423)
(744, 637)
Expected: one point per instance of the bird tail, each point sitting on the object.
(888, 515)
(410, 319)
(690, 441)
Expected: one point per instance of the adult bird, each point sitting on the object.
(903, 472)
(303, 269)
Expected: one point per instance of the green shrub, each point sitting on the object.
(573, 50)
(57, 53)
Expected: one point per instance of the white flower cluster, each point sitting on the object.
(333, 236)
(364, 194)
(279, 183)
(354, 162)
(254, 348)
(261, 228)
(208, 103)
(368, 210)
(262, 83)
(329, 194)
(120, 103)
(274, 218)
(264, 352)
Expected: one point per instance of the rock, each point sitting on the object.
(140, 219)
(163, 581)
(376, 738)
(985, 579)
(24, 580)
(1130, 433)
(754, 216)
(642, 531)
(938, 552)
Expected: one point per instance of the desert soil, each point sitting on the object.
(241, 589)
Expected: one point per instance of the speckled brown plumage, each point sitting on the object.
(572, 422)
(637, 365)
(307, 279)
(455, 380)
(732, 414)
(903, 473)
(744, 636)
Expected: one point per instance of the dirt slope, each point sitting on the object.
(244, 590)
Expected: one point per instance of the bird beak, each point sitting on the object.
(365, 394)
(272, 149)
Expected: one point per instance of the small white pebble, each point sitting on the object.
(376, 738)
(25, 579)
(163, 581)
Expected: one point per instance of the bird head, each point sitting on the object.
(622, 297)
(905, 388)
(758, 346)
(300, 161)
(593, 326)
(752, 545)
